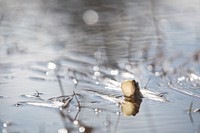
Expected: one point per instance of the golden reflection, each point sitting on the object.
(130, 106)
(133, 97)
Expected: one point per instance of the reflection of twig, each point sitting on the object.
(63, 116)
(66, 116)
(107, 123)
(190, 112)
(80, 126)
(115, 129)
(75, 118)
(79, 106)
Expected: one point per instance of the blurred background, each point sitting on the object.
(115, 29)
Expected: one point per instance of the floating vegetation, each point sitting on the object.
(197, 110)
(60, 102)
(35, 95)
(179, 89)
(130, 102)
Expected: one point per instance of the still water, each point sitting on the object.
(62, 63)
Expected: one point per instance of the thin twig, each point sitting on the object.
(190, 108)
(145, 87)
(66, 103)
(183, 91)
(37, 94)
(190, 112)
(60, 85)
(115, 129)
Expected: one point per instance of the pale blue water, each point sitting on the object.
(131, 40)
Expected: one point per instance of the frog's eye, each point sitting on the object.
(137, 84)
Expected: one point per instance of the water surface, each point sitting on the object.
(48, 49)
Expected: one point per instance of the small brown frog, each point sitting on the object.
(131, 89)
(133, 97)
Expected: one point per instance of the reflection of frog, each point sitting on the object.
(131, 106)
(133, 97)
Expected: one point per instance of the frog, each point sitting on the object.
(132, 97)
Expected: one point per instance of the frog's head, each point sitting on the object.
(129, 88)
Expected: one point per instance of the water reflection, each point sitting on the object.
(131, 106)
